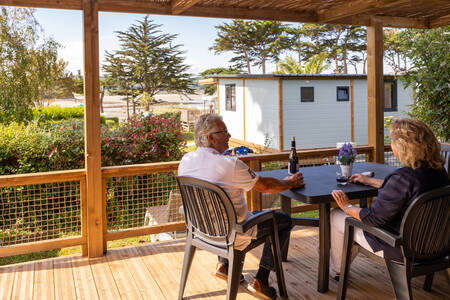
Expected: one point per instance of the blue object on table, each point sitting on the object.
(241, 150)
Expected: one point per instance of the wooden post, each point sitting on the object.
(280, 114)
(255, 196)
(375, 88)
(92, 129)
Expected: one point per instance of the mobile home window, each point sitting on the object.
(390, 95)
(342, 93)
(230, 97)
(307, 94)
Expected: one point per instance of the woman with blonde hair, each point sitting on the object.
(416, 147)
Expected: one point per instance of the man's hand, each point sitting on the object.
(296, 180)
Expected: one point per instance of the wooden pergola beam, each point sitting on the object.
(356, 14)
(398, 22)
(438, 22)
(350, 8)
(61, 4)
(179, 6)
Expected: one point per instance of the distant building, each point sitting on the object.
(319, 110)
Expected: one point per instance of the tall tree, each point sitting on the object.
(153, 63)
(29, 67)
(429, 77)
(235, 37)
(395, 52)
(268, 42)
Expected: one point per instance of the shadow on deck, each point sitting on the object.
(153, 271)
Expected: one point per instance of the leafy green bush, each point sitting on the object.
(57, 113)
(60, 145)
(32, 148)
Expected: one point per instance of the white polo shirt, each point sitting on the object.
(228, 172)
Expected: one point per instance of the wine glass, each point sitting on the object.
(342, 180)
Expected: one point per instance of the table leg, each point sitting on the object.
(363, 202)
(286, 207)
(324, 244)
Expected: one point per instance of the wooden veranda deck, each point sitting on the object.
(152, 271)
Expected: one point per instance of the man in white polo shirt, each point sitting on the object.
(235, 177)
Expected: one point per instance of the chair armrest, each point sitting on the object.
(254, 220)
(391, 239)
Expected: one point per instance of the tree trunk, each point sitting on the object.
(247, 59)
(102, 94)
(263, 65)
(344, 59)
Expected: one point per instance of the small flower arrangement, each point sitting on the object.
(347, 154)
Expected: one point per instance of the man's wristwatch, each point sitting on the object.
(347, 207)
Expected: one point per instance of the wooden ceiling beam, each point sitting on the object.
(355, 7)
(255, 14)
(398, 22)
(179, 6)
(135, 6)
(439, 22)
(60, 4)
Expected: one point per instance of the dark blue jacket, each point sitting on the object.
(396, 193)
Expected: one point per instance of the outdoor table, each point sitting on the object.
(320, 181)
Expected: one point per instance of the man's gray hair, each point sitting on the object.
(205, 124)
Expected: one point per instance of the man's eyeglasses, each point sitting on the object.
(222, 131)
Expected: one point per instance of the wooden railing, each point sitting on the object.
(36, 184)
(116, 224)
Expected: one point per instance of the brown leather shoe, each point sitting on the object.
(260, 290)
(222, 272)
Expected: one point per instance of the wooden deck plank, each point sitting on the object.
(146, 284)
(153, 271)
(122, 275)
(83, 278)
(7, 276)
(23, 282)
(162, 268)
(64, 280)
(104, 280)
(43, 280)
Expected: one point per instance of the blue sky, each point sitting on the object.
(196, 34)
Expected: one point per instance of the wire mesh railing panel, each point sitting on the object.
(142, 200)
(390, 159)
(38, 212)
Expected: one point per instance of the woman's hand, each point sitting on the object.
(341, 198)
(358, 178)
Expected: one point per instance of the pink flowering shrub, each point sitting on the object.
(142, 140)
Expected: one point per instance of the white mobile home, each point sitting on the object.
(319, 110)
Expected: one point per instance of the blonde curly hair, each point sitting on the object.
(416, 144)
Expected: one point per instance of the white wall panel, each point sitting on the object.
(321, 123)
(261, 109)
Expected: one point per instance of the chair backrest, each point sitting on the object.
(445, 152)
(425, 228)
(209, 212)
